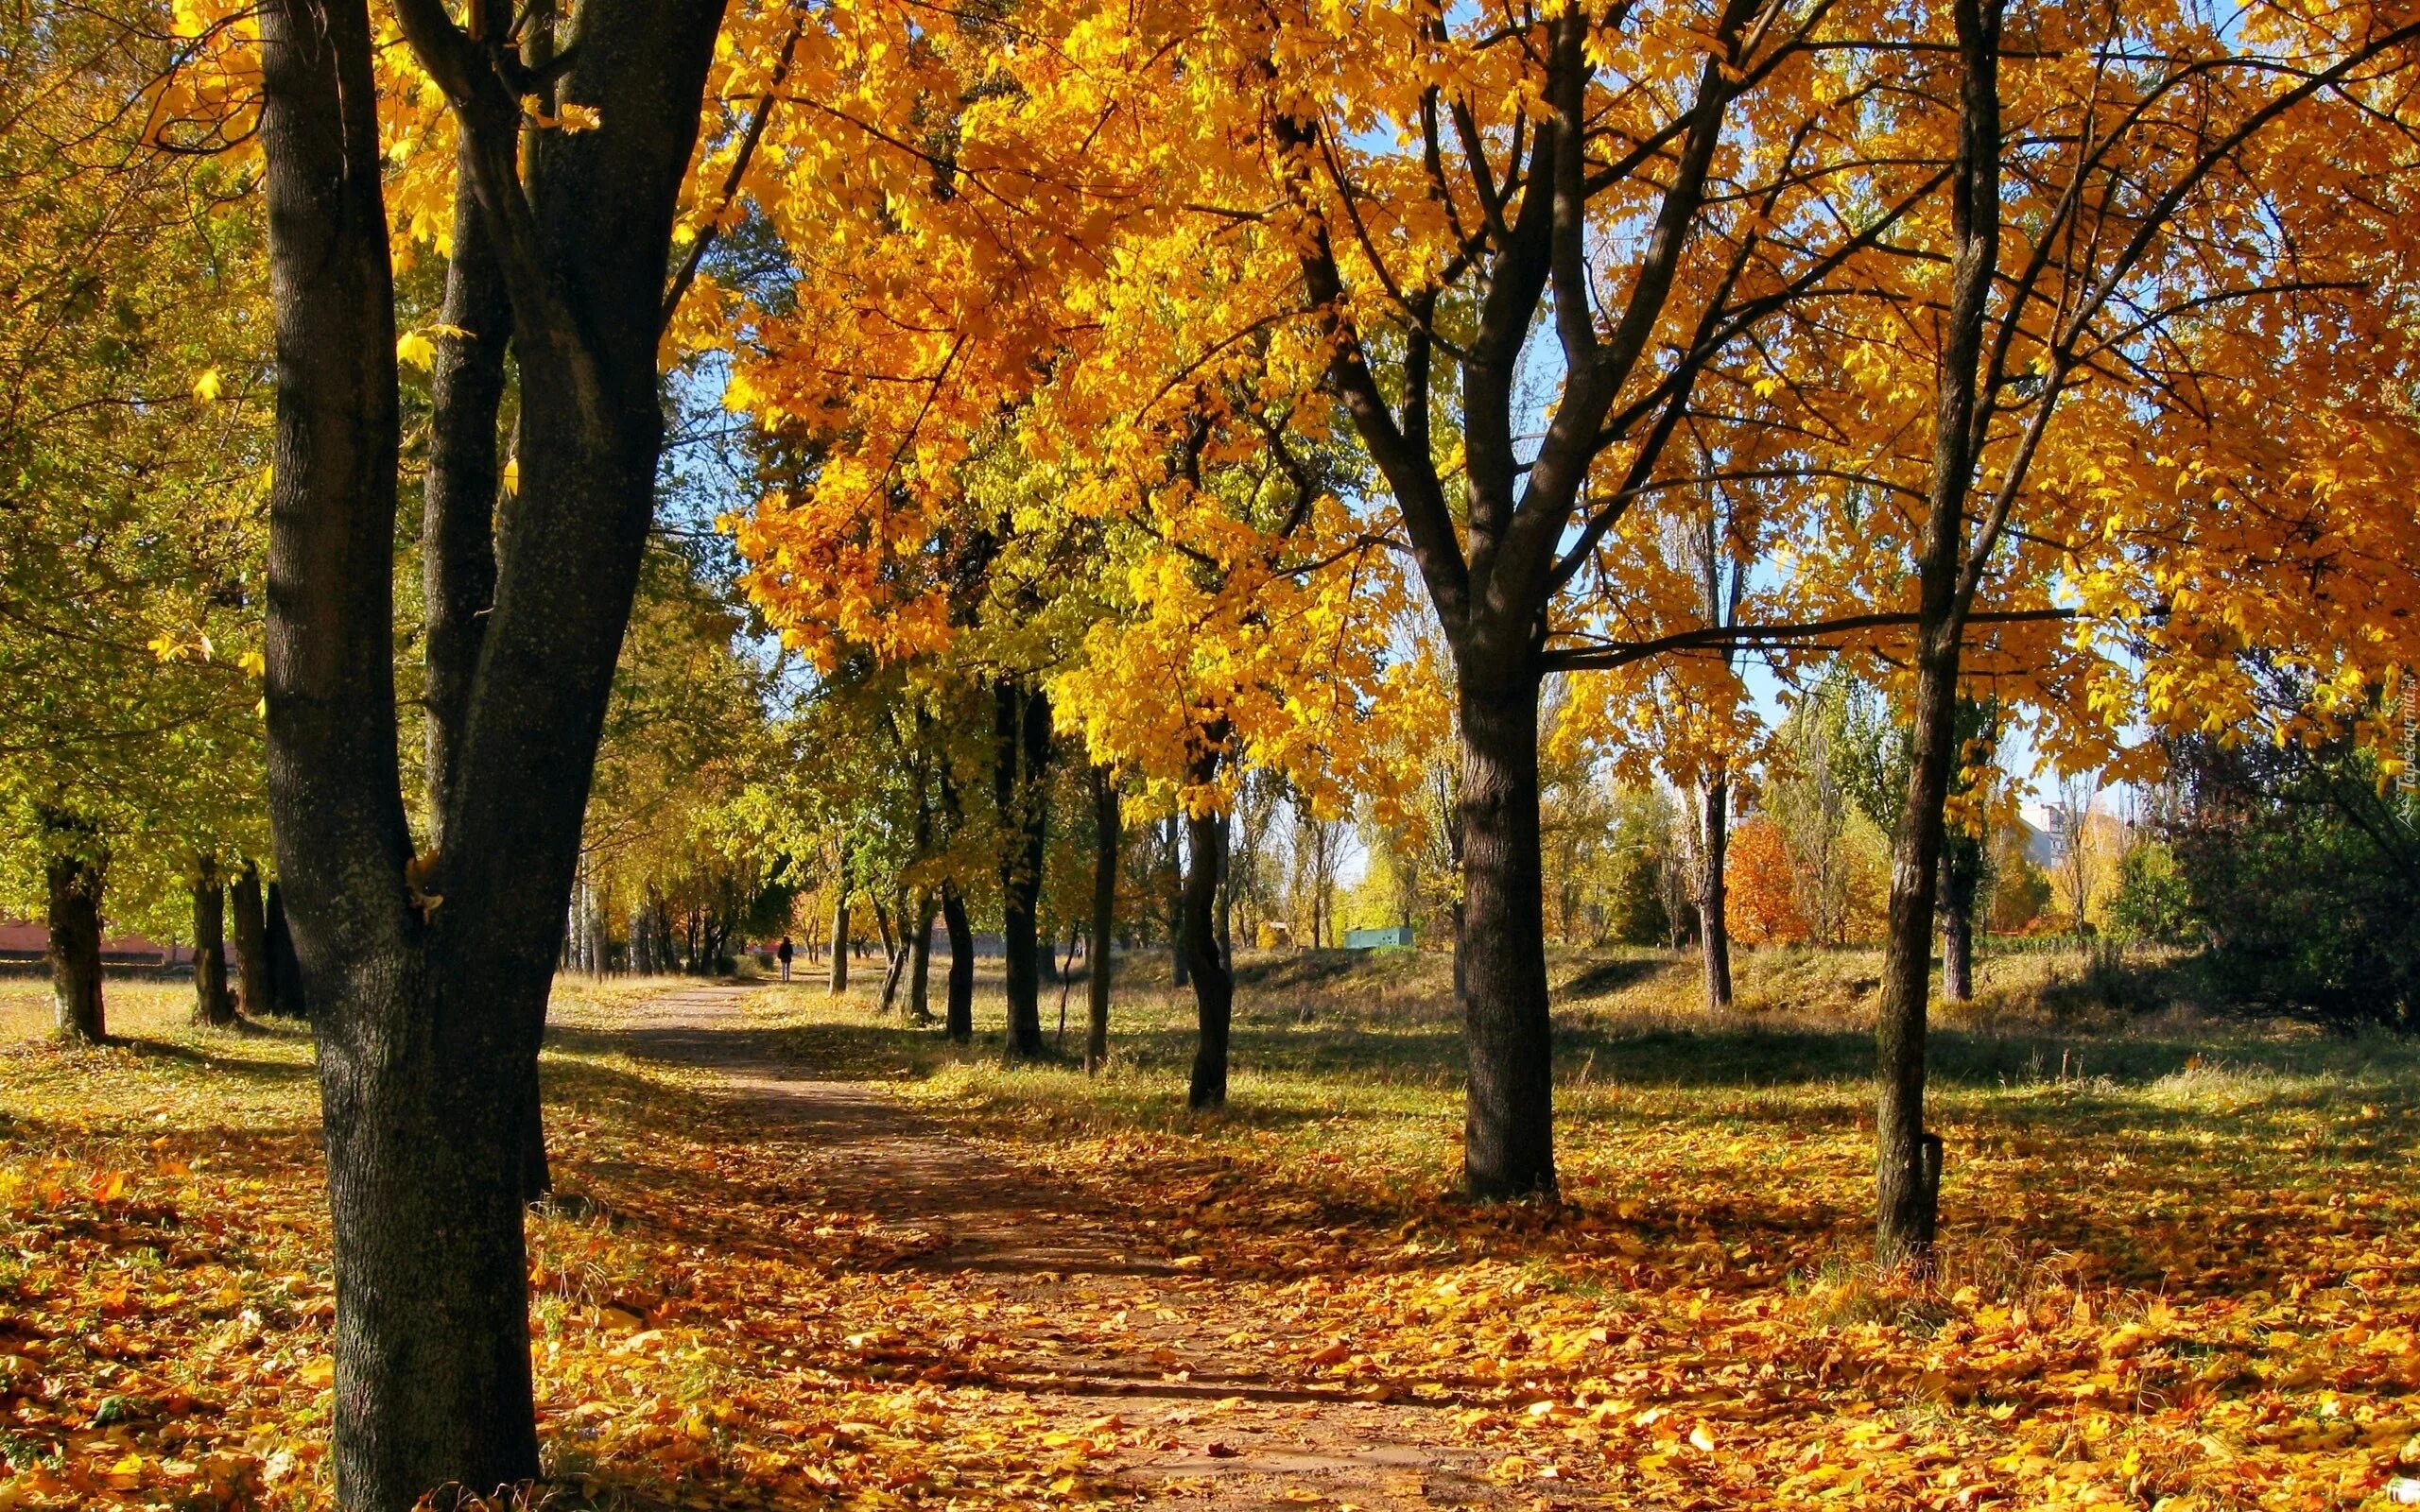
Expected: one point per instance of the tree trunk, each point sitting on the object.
(895, 971)
(1023, 727)
(1508, 1146)
(429, 973)
(920, 960)
(1213, 987)
(1714, 928)
(285, 972)
(1459, 912)
(254, 995)
(960, 1009)
(1226, 912)
(1907, 1157)
(75, 949)
(1962, 878)
(212, 1006)
(1179, 968)
(840, 943)
(458, 499)
(884, 934)
(536, 1176)
(1108, 825)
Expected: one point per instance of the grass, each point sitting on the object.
(2179, 1260)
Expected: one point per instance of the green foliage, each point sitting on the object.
(2152, 904)
(2302, 870)
(133, 440)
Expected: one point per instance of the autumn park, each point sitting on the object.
(798, 754)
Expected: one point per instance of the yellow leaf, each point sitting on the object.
(416, 349)
(207, 387)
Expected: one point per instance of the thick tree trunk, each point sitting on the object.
(75, 952)
(1227, 891)
(1107, 827)
(1023, 728)
(920, 960)
(1213, 987)
(1508, 1146)
(255, 995)
(211, 1006)
(959, 1009)
(1714, 929)
(429, 973)
(536, 1176)
(285, 970)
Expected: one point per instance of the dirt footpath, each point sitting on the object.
(1113, 1329)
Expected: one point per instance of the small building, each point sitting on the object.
(1393, 937)
(24, 945)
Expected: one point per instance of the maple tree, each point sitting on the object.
(1762, 894)
(427, 964)
(2079, 284)
(130, 526)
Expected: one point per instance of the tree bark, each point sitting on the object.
(458, 498)
(1508, 1145)
(920, 960)
(75, 951)
(1214, 987)
(960, 1009)
(285, 972)
(1714, 929)
(1962, 878)
(1226, 908)
(840, 941)
(895, 971)
(427, 974)
(1108, 825)
(1180, 969)
(255, 995)
(884, 934)
(1907, 1157)
(1023, 728)
(211, 1006)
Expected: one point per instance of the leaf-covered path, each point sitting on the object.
(1235, 1435)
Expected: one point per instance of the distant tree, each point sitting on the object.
(132, 444)
(2152, 902)
(2302, 870)
(2020, 890)
(1762, 898)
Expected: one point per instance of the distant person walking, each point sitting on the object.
(785, 954)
